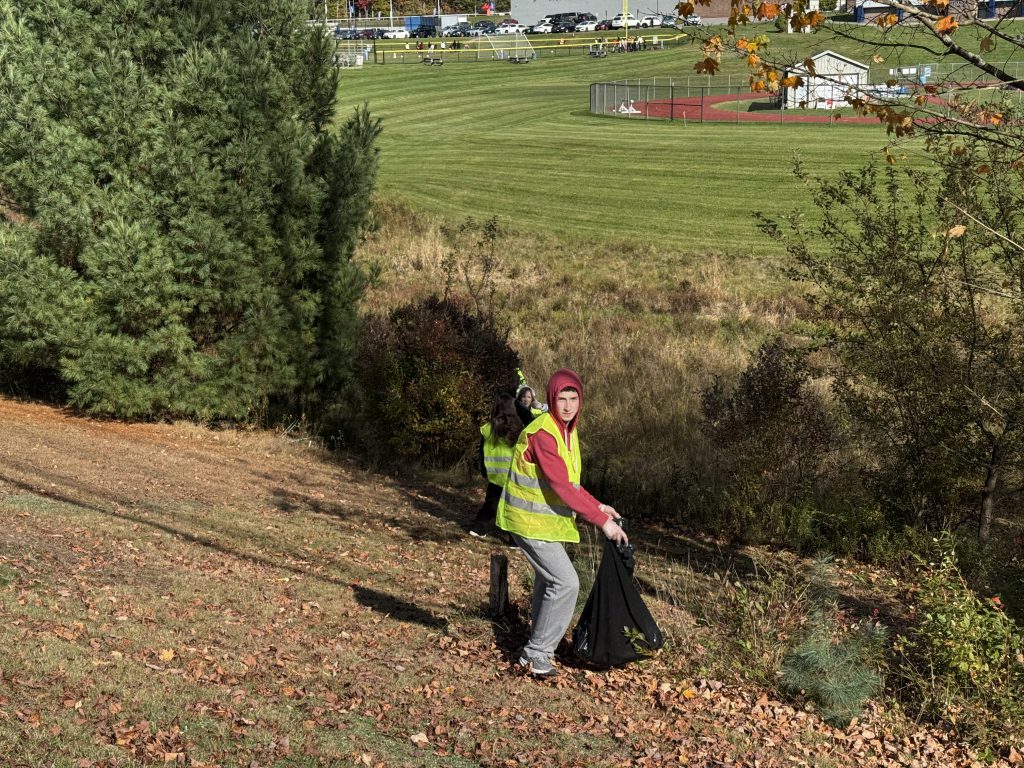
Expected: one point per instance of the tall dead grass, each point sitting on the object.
(647, 330)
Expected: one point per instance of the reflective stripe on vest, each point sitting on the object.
(528, 506)
(497, 456)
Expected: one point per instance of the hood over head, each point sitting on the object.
(563, 379)
(522, 388)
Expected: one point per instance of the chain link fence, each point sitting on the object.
(729, 98)
(475, 49)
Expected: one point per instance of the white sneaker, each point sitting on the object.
(537, 668)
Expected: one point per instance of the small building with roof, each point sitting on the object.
(834, 76)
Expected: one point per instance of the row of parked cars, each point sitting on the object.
(370, 33)
(555, 23)
(588, 22)
(484, 27)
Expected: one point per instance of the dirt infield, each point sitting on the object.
(707, 109)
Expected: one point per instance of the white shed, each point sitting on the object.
(834, 76)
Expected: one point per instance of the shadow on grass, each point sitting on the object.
(293, 501)
(764, 106)
(396, 608)
(192, 538)
(511, 631)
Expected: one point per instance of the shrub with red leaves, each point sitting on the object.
(428, 373)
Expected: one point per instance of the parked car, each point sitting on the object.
(424, 30)
(457, 30)
(603, 24)
(587, 26)
(371, 33)
(620, 20)
(396, 34)
(581, 17)
(511, 29)
(544, 28)
(482, 28)
(650, 21)
(693, 21)
(563, 26)
(571, 16)
(347, 34)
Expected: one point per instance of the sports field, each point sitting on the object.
(517, 141)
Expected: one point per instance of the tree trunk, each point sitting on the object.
(988, 495)
(498, 602)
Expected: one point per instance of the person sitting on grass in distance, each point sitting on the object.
(539, 506)
(497, 440)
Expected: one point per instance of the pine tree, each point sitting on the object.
(179, 209)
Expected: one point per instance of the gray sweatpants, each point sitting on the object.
(555, 587)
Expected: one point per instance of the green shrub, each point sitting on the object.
(962, 657)
(832, 665)
(427, 374)
(771, 436)
(759, 615)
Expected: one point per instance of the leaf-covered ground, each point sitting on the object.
(172, 595)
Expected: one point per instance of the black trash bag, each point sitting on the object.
(615, 627)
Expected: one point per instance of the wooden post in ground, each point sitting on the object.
(498, 604)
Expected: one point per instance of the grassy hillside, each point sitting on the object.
(176, 596)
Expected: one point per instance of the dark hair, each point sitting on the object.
(504, 419)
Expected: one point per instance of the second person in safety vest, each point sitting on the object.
(539, 505)
(497, 440)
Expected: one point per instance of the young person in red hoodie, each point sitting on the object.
(539, 505)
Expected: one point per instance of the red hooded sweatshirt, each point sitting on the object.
(542, 450)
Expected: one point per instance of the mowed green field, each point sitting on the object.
(518, 141)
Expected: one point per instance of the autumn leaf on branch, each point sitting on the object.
(800, 22)
(767, 11)
(957, 231)
(946, 25)
(713, 45)
(706, 66)
(888, 20)
(988, 44)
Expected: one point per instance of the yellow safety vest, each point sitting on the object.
(528, 506)
(497, 456)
